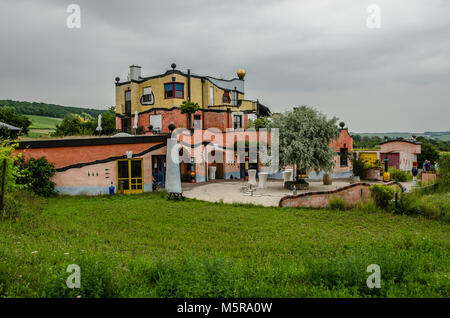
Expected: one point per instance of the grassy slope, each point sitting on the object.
(146, 246)
(41, 122)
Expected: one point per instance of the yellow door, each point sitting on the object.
(130, 176)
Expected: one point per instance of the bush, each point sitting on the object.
(36, 174)
(366, 206)
(9, 116)
(432, 206)
(359, 168)
(399, 175)
(337, 203)
(408, 204)
(444, 171)
(382, 195)
(76, 125)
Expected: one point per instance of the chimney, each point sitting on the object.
(135, 72)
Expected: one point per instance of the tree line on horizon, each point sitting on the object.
(48, 110)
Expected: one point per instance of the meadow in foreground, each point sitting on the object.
(146, 246)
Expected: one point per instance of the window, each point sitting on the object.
(211, 95)
(174, 90)
(235, 97)
(237, 120)
(155, 121)
(226, 97)
(343, 157)
(128, 102)
(147, 96)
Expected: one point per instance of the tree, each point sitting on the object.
(428, 152)
(36, 174)
(108, 121)
(261, 122)
(9, 116)
(76, 125)
(305, 135)
(189, 108)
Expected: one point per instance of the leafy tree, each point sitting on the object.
(108, 121)
(305, 135)
(261, 122)
(189, 108)
(9, 116)
(6, 152)
(36, 175)
(76, 125)
(366, 142)
(428, 152)
(444, 170)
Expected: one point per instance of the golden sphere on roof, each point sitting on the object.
(241, 73)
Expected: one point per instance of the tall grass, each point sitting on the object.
(146, 246)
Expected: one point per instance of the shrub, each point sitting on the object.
(409, 204)
(368, 206)
(36, 174)
(337, 203)
(382, 195)
(444, 171)
(399, 175)
(359, 168)
(75, 125)
(9, 116)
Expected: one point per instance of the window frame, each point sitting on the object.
(211, 95)
(127, 102)
(149, 95)
(174, 90)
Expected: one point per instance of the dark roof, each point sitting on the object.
(95, 141)
(168, 72)
(263, 110)
(9, 127)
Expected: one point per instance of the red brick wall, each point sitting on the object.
(66, 156)
(352, 194)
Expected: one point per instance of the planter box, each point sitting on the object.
(374, 174)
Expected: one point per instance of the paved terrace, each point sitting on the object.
(230, 191)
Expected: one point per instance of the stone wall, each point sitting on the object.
(352, 194)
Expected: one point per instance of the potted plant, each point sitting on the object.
(189, 108)
(358, 170)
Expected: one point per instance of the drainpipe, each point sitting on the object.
(203, 104)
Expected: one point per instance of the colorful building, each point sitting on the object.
(342, 147)
(157, 100)
(401, 153)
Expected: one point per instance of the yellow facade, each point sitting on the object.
(200, 93)
(368, 157)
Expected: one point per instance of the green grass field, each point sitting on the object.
(146, 246)
(41, 122)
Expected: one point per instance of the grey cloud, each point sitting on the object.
(295, 52)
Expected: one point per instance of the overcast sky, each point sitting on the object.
(320, 53)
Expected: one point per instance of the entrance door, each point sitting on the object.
(129, 176)
(159, 170)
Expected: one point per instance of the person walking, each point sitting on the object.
(436, 166)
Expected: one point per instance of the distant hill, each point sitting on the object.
(442, 135)
(48, 110)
